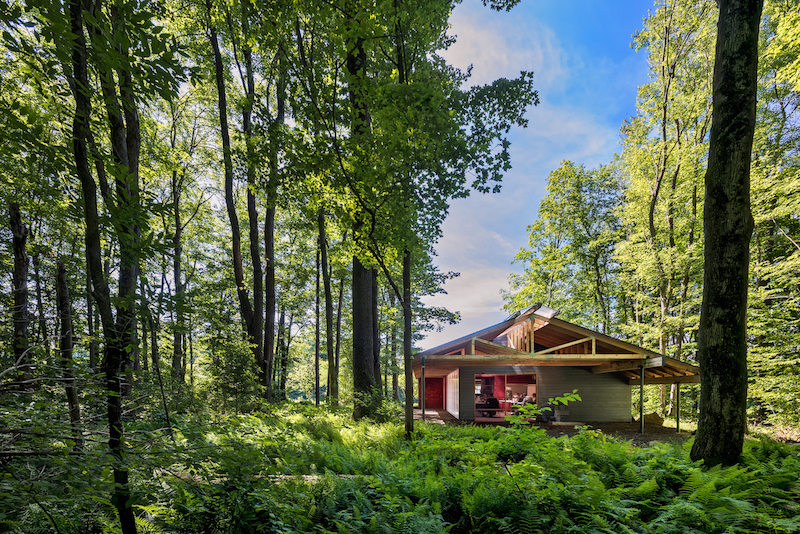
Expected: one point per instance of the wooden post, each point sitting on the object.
(641, 399)
(422, 390)
(677, 406)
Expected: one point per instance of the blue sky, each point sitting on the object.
(587, 76)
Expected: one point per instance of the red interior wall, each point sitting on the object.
(499, 390)
(434, 393)
(518, 379)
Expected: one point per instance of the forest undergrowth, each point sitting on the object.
(298, 468)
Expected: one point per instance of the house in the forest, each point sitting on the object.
(533, 356)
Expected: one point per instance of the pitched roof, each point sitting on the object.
(535, 337)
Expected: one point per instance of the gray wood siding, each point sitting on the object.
(466, 394)
(605, 397)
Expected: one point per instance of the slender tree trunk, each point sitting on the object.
(178, 371)
(270, 296)
(90, 314)
(145, 332)
(376, 334)
(125, 141)
(269, 228)
(722, 338)
(393, 349)
(326, 282)
(19, 235)
(256, 328)
(40, 306)
(154, 352)
(277, 368)
(338, 348)
(316, 334)
(408, 344)
(191, 356)
(245, 306)
(285, 357)
(65, 348)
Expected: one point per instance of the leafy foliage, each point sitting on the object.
(302, 469)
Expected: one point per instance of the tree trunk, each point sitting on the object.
(145, 332)
(178, 328)
(338, 349)
(364, 383)
(376, 334)
(285, 358)
(90, 314)
(245, 306)
(43, 337)
(19, 235)
(722, 342)
(277, 367)
(269, 232)
(256, 325)
(125, 141)
(365, 388)
(65, 348)
(269, 305)
(316, 333)
(408, 344)
(393, 350)
(326, 282)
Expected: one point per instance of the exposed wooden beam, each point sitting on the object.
(585, 356)
(563, 346)
(619, 344)
(691, 379)
(673, 363)
(496, 348)
(627, 365)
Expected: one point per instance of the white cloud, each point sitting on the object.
(498, 45)
(476, 295)
(563, 132)
(584, 98)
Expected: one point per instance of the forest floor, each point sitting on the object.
(624, 431)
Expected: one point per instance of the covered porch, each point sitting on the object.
(532, 357)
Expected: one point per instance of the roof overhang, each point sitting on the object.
(657, 370)
(604, 354)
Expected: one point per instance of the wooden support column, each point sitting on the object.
(422, 390)
(677, 406)
(641, 399)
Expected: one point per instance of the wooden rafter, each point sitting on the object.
(563, 346)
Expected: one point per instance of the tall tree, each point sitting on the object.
(722, 344)
(252, 323)
(19, 232)
(570, 264)
(774, 312)
(116, 33)
(662, 161)
(64, 306)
